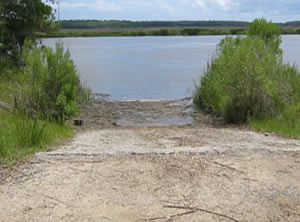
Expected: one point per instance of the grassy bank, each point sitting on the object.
(287, 123)
(278, 126)
(21, 136)
(156, 32)
(40, 88)
(43, 96)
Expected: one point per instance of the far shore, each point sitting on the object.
(168, 31)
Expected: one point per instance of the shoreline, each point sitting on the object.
(162, 32)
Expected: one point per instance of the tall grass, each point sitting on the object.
(2, 146)
(21, 136)
(30, 132)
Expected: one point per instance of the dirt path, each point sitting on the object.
(128, 164)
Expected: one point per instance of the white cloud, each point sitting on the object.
(279, 10)
(73, 5)
(225, 5)
(100, 5)
(201, 4)
(164, 5)
(106, 6)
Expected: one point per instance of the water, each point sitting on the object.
(131, 68)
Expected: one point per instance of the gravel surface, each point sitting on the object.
(137, 161)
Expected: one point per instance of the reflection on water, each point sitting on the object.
(149, 67)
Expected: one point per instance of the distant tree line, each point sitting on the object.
(290, 24)
(92, 24)
(105, 24)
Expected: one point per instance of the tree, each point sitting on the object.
(21, 20)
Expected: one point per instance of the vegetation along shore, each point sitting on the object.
(40, 88)
(98, 28)
(246, 82)
(192, 159)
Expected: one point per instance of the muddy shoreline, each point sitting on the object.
(164, 113)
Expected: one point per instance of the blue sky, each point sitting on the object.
(245, 10)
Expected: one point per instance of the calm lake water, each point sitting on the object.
(129, 68)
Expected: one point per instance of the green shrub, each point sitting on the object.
(268, 31)
(190, 31)
(160, 32)
(7, 66)
(237, 31)
(247, 78)
(140, 33)
(51, 84)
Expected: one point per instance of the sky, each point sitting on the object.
(241, 10)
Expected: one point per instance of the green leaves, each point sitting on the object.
(53, 85)
(268, 31)
(21, 20)
(247, 78)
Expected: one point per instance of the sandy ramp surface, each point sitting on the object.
(175, 173)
